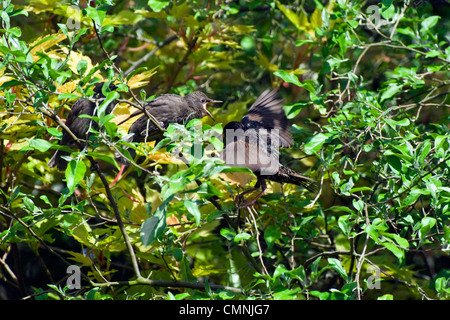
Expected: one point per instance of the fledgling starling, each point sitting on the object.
(253, 143)
(167, 109)
(80, 127)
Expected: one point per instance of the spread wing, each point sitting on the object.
(267, 112)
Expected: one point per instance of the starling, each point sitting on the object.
(253, 143)
(167, 109)
(80, 127)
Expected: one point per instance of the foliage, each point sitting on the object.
(366, 90)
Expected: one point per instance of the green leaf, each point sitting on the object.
(16, 32)
(340, 209)
(402, 242)
(68, 96)
(399, 253)
(390, 91)
(294, 109)
(227, 234)
(425, 226)
(185, 270)
(74, 174)
(95, 14)
(158, 5)
(10, 84)
(272, 234)
(337, 265)
(242, 236)
(315, 143)
(40, 144)
(430, 22)
(358, 205)
(192, 207)
(401, 123)
(82, 67)
(288, 77)
(423, 152)
(406, 31)
(154, 226)
(104, 157)
(394, 163)
(344, 225)
(110, 97)
(215, 215)
(439, 144)
(433, 53)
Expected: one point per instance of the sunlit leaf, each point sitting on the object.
(74, 174)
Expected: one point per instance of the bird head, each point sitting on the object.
(199, 101)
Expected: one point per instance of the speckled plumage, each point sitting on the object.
(266, 113)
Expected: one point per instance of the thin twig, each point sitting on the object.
(149, 54)
(142, 106)
(118, 218)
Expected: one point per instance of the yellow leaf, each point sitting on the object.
(68, 87)
(82, 232)
(80, 258)
(131, 199)
(123, 17)
(75, 58)
(38, 6)
(4, 79)
(291, 15)
(241, 179)
(165, 158)
(201, 270)
(137, 80)
(262, 61)
(47, 44)
(152, 14)
(242, 29)
(179, 11)
(74, 16)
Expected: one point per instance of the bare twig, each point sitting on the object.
(149, 54)
(118, 218)
(142, 106)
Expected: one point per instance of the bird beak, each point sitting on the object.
(209, 114)
(210, 102)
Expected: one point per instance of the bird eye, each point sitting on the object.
(202, 100)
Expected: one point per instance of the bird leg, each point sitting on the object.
(240, 196)
(263, 185)
(252, 202)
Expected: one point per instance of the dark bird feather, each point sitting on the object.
(80, 127)
(167, 109)
(253, 143)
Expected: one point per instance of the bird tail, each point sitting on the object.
(57, 161)
(287, 175)
(120, 157)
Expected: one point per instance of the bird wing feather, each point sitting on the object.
(268, 112)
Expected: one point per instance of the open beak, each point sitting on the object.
(211, 102)
(209, 115)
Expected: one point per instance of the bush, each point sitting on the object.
(366, 91)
